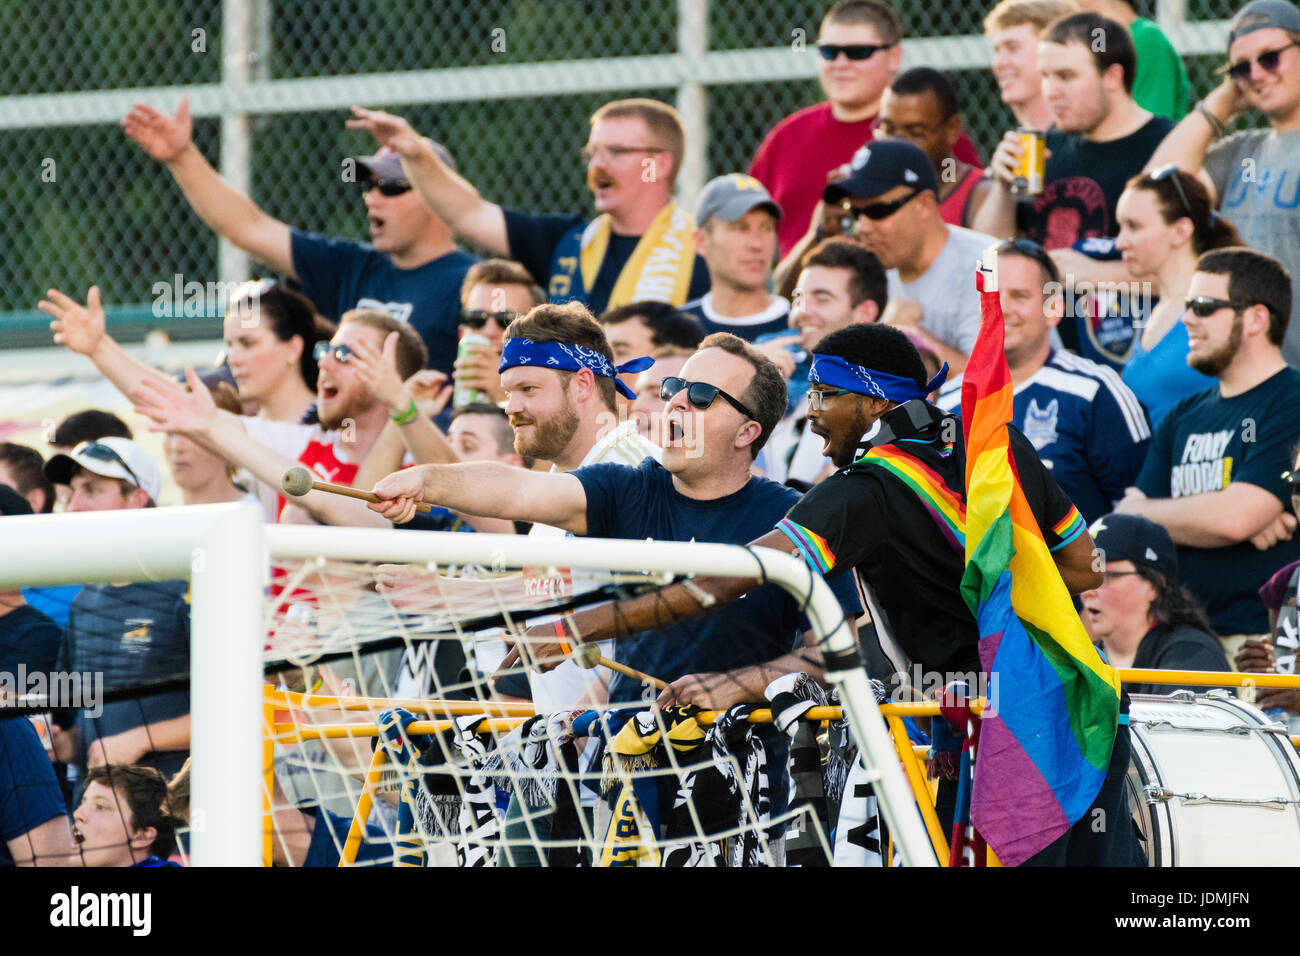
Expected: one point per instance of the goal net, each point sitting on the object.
(390, 698)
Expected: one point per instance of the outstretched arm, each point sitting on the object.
(225, 210)
(452, 198)
(486, 488)
(194, 414)
(81, 329)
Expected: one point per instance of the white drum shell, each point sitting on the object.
(1212, 746)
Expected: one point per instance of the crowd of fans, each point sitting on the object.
(663, 358)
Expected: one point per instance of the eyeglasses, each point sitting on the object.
(477, 318)
(854, 51)
(1267, 61)
(817, 397)
(700, 394)
(1204, 306)
(101, 452)
(588, 153)
(388, 187)
(881, 210)
(1170, 171)
(1031, 250)
(1108, 576)
(340, 352)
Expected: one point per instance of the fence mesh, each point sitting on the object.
(83, 205)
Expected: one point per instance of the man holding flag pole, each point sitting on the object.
(968, 551)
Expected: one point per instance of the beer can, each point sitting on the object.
(461, 395)
(1033, 162)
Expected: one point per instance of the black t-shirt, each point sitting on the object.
(1082, 182)
(533, 239)
(1181, 649)
(1207, 442)
(866, 518)
(30, 638)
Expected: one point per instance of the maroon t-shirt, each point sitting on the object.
(795, 157)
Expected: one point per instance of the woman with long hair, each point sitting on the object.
(1165, 222)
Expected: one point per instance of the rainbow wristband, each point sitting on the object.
(406, 417)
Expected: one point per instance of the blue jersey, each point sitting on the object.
(774, 320)
(1086, 425)
(640, 503)
(338, 275)
(29, 791)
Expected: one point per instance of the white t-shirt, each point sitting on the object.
(324, 452)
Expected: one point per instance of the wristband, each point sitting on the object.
(406, 417)
(1217, 126)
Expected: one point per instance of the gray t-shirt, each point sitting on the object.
(946, 292)
(1257, 175)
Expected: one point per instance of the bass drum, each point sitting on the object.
(1212, 782)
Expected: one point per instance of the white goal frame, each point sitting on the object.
(225, 552)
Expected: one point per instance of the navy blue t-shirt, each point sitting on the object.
(641, 502)
(773, 321)
(29, 791)
(533, 239)
(30, 638)
(133, 635)
(1207, 442)
(338, 275)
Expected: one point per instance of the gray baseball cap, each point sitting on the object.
(731, 196)
(1264, 15)
(386, 164)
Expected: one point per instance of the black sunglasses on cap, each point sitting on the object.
(699, 394)
(854, 51)
(105, 453)
(1031, 250)
(477, 318)
(388, 187)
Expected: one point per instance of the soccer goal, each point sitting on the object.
(366, 697)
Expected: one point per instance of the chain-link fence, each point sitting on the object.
(506, 84)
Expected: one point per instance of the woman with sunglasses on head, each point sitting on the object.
(270, 332)
(1165, 222)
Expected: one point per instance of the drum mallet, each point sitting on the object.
(588, 656)
(298, 481)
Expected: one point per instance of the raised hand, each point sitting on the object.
(173, 410)
(431, 390)
(161, 136)
(378, 371)
(388, 130)
(77, 327)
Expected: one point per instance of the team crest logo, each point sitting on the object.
(138, 632)
(1040, 424)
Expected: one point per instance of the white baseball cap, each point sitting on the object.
(111, 458)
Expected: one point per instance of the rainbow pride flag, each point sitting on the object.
(1044, 752)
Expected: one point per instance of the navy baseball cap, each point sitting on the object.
(731, 196)
(880, 166)
(386, 164)
(1140, 540)
(1264, 15)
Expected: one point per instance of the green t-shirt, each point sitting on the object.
(1161, 83)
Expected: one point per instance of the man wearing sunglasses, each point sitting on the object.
(639, 246)
(411, 269)
(859, 49)
(1252, 174)
(494, 294)
(891, 197)
(147, 623)
(1211, 477)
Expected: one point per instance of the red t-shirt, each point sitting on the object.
(795, 157)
